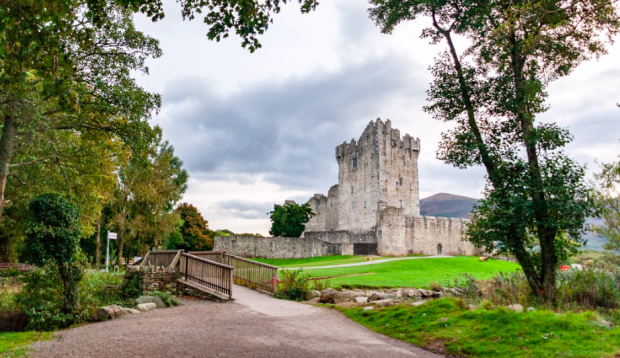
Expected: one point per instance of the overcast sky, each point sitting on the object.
(256, 129)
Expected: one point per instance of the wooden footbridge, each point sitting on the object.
(215, 272)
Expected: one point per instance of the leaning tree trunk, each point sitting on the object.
(70, 274)
(7, 145)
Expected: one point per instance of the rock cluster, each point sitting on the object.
(377, 297)
(142, 304)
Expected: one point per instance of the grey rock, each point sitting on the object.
(444, 319)
(386, 302)
(368, 308)
(151, 299)
(418, 303)
(312, 294)
(361, 299)
(107, 312)
(516, 307)
(328, 295)
(314, 300)
(130, 311)
(345, 296)
(437, 294)
(603, 323)
(143, 307)
(531, 309)
(426, 293)
(375, 297)
(390, 297)
(412, 293)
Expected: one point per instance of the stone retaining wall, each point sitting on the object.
(275, 247)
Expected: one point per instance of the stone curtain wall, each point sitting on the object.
(345, 238)
(430, 231)
(275, 247)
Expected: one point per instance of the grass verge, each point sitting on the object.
(419, 273)
(445, 326)
(15, 344)
(317, 261)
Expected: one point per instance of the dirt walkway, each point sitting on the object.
(368, 262)
(255, 325)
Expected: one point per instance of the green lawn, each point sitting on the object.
(419, 273)
(492, 333)
(317, 261)
(15, 344)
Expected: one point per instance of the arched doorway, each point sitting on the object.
(439, 249)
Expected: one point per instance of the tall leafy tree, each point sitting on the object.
(492, 91)
(289, 219)
(149, 188)
(68, 103)
(608, 195)
(195, 234)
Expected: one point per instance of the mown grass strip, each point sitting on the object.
(446, 326)
(16, 344)
(419, 273)
(317, 261)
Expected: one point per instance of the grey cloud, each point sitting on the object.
(245, 209)
(285, 131)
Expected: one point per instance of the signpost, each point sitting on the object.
(111, 236)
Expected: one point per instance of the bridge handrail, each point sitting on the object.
(206, 273)
(254, 274)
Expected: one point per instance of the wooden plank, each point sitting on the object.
(202, 288)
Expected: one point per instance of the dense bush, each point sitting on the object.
(590, 288)
(41, 298)
(293, 285)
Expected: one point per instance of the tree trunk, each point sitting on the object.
(98, 244)
(70, 274)
(7, 144)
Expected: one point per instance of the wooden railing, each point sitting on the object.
(254, 274)
(15, 266)
(164, 258)
(210, 274)
(217, 256)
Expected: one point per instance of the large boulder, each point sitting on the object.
(312, 294)
(345, 296)
(143, 307)
(386, 303)
(516, 307)
(159, 303)
(328, 295)
(412, 293)
(107, 312)
(361, 299)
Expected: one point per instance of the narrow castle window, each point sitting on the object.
(396, 186)
(404, 163)
(410, 186)
(400, 180)
(364, 188)
(374, 208)
(400, 202)
(402, 151)
(352, 205)
(379, 192)
(385, 158)
(354, 162)
(364, 203)
(379, 233)
(351, 189)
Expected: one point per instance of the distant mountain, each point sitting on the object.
(447, 205)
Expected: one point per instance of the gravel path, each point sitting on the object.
(368, 262)
(255, 325)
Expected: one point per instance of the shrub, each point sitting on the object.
(293, 285)
(98, 289)
(320, 285)
(167, 297)
(590, 288)
(41, 299)
(52, 239)
(11, 272)
(132, 287)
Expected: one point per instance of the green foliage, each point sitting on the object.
(446, 325)
(590, 288)
(167, 297)
(536, 199)
(132, 288)
(11, 272)
(41, 297)
(289, 220)
(608, 197)
(53, 239)
(194, 231)
(597, 259)
(293, 285)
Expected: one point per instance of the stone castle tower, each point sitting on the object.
(377, 200)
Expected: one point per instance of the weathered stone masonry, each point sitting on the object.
(377, 196)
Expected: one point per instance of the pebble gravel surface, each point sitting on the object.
(255, 325)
